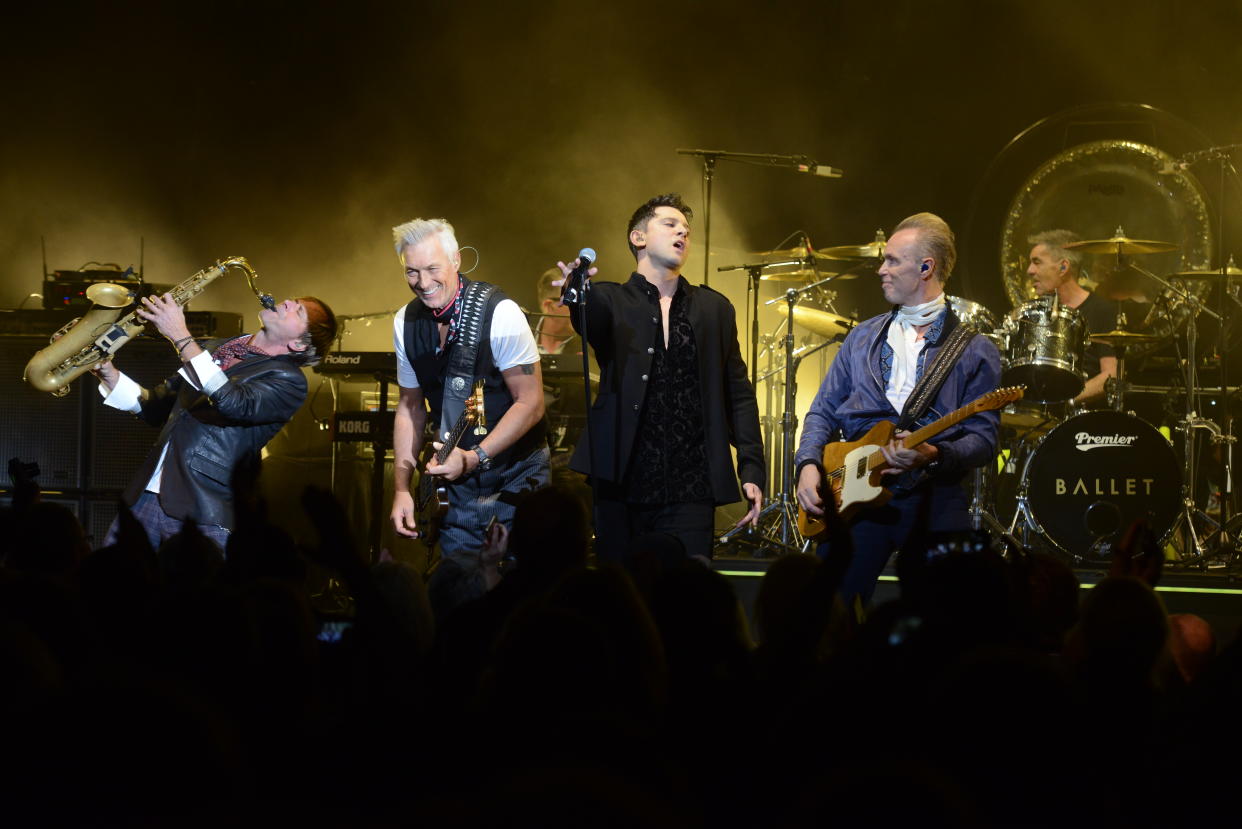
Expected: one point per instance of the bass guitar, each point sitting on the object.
(852, 468)
(431, 502)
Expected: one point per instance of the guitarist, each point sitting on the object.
(454, 332)
(879, 365)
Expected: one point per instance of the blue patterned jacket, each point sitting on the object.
(851, 399)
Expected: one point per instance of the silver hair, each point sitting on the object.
(935, 240)
(1055, 241)
(416, 231)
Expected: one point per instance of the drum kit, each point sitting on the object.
(1068, 480)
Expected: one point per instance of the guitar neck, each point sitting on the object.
(928, 432)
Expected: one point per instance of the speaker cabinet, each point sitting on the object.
(35, 425)
(119, 441)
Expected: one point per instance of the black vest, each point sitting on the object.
(422, 337)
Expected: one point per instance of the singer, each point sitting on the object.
(454, 332)
(673, 395)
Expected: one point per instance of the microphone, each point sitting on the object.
(822, 170)
(574, 289)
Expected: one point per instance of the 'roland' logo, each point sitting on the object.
(343, 359)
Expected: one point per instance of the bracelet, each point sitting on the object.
(182, 343)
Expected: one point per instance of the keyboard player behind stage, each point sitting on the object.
(871, 379)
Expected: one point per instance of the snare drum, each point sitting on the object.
(1096, 473)
(1045, 346)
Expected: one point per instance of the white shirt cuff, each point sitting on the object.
(206, 376)
(124, 395)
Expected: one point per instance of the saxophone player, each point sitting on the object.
(228, 399)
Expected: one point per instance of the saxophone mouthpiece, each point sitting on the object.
(267, 302)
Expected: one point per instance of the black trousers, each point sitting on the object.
(618, 524)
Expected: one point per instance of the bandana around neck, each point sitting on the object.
(451, 313)
(901, 339)
(923, 314)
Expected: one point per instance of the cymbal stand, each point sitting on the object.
(777, 531)
(754, 273)
(767, 421)
(1193, 544)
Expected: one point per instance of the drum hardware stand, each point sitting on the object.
(754, 274)
(1192, 420)
(980, 516)
(777, 530)
(767, 422)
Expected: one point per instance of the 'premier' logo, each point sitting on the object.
(1087, 441)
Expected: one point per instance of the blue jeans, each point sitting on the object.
(881, 531)
(473, 501)
(159, 525)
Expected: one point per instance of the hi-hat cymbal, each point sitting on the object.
(1116, 338)
(871, 250)
(1121, 244)
(1232, 270)
(824, 323)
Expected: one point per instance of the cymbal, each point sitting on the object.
(1121, 244)
(1116, 338)
(1232, 270)
(793, 276)
(871, 250)
(824, 323)
(804, 275)
(799, 252)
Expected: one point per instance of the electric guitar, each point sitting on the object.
(852, 468)
(431, 503)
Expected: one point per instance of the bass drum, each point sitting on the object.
(1095, 474)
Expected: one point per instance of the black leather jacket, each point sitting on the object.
(208, 435)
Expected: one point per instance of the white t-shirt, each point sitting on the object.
(512, 342)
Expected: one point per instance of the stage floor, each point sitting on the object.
(1214, 595)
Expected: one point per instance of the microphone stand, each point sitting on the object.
(710, 157)
(583, 290)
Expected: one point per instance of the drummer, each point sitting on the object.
(1055, 269)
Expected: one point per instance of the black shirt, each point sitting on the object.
(670, 454)
(1100, 316)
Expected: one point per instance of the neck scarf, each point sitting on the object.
(901, 337)
(451, 313)
(235, 350)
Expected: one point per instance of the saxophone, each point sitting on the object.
(99, 333)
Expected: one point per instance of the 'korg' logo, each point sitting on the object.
(1087, 441)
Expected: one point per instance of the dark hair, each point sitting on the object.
(645, 213)
(320, 330)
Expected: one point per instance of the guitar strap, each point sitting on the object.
(928, 387)
(459, 377)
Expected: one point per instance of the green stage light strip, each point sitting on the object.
(1223, 591)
